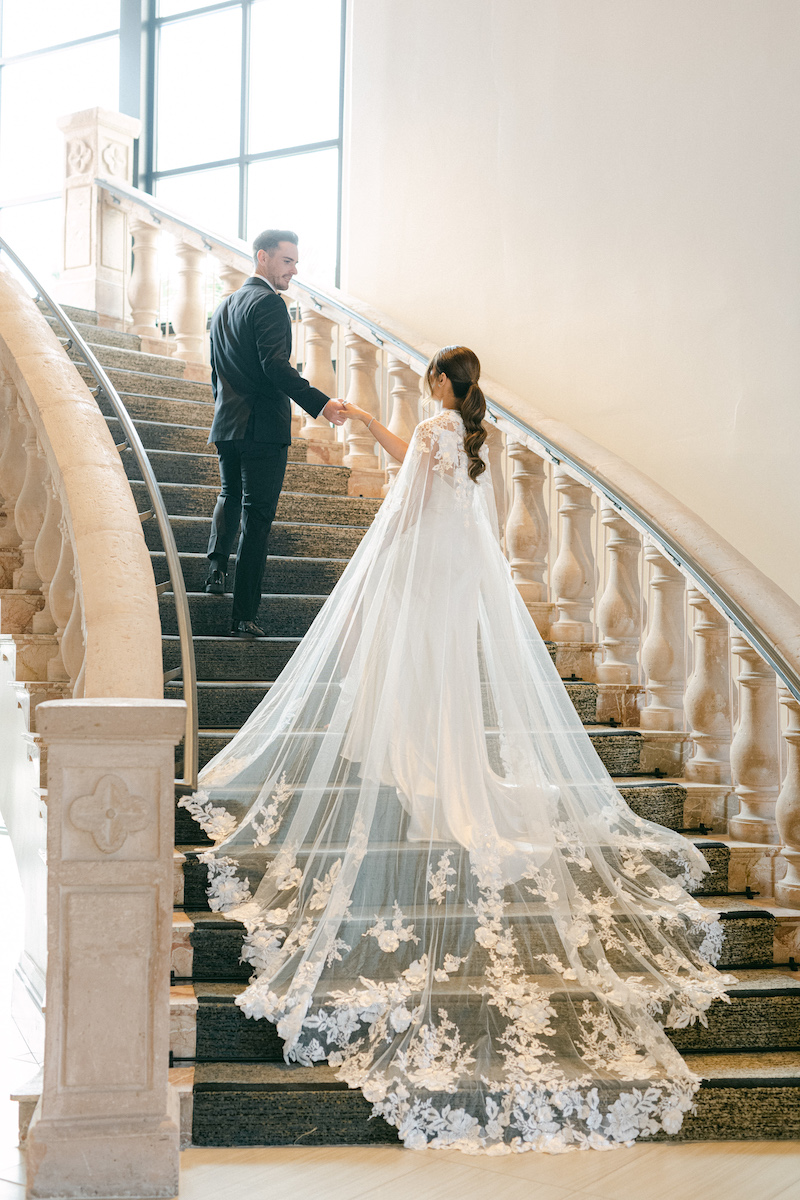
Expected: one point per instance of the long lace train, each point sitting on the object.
(444, 894)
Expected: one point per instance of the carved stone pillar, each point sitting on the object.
(664, 649)
(707, 704)
(573, 579)
(73, 648)
(232, 279)
(189, 315)
(787, 809)
(619, 618)
(495, 444)
(754, 753)
(46, 554)
(144, 287)
(61, 598)
(528, 533)
(366, 475)
(318, 370)
(96, 259)
(12, 466)
(405, 393)
(107, 1122)
(29, 509)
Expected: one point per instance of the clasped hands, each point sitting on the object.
(339, 411)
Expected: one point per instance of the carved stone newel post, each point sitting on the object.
(96, 251)
(619, 618)
(754, 752)
(528, 532)
(107, 1123)
(787, 810)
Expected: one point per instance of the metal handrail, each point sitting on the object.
(158, 509)
(381, 337)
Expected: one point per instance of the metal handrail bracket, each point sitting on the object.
(106, 389)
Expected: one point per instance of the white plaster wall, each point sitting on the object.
(601, 197)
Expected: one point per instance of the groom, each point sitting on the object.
(253, 380)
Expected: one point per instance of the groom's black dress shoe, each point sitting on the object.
(247, 629)
(215, 581)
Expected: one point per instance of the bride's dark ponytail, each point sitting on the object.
(463, 369)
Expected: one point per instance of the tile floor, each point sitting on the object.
(715, 1171)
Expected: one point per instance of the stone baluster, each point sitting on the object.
(62, 598)
(619, 619)
(495, 443)
(366, 475)
(73, 649)
(232, 278)
(528, 533)
(29, 509)
(754, 752)
(707, 703)
(573, 579)
(189, 314)
(664, 649)
(108, 1122)
(144, 288)
(405, 394)
(318, 370)
(787, 809)
(12, 467)
(46, 554)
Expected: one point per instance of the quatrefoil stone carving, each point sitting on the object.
(109, 814)
(115, 158)
(79, 156)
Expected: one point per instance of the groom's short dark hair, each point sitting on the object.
(270, 239)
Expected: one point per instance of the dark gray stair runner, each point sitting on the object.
(243, 1092)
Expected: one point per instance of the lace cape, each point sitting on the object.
(443, 893)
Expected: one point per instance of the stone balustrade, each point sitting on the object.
(615, 605)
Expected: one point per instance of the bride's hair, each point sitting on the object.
(463, 369)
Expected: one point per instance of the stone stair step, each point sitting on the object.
(180, 467)
(98, 335)
(150, 384)
(162, 435)
(233, 658)
(121, 358)
(296, 576)
(224, 659)
(763, 1015)
(166, 410)
(247, 1104)
(216, 942)
(85, 316)
(278, 616)
(295, 503)
(286, 539)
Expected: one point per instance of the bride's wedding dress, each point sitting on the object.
(445, 896)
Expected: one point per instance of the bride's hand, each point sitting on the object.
(353, 413)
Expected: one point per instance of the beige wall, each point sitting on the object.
(602, 197)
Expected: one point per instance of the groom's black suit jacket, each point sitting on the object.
(253, 380)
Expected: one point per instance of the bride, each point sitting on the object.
(444, 895)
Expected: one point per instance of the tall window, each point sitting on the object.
(246, 97)
(55, 58)
(241, 113)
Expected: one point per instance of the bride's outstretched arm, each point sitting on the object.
(391, 443)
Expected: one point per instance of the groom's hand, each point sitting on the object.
(335, 412)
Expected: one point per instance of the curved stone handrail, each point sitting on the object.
(121, 626)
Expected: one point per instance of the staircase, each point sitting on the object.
(237, 1089)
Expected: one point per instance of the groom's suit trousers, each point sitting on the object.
(251, 475)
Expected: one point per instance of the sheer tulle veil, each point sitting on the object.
(444, 895)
